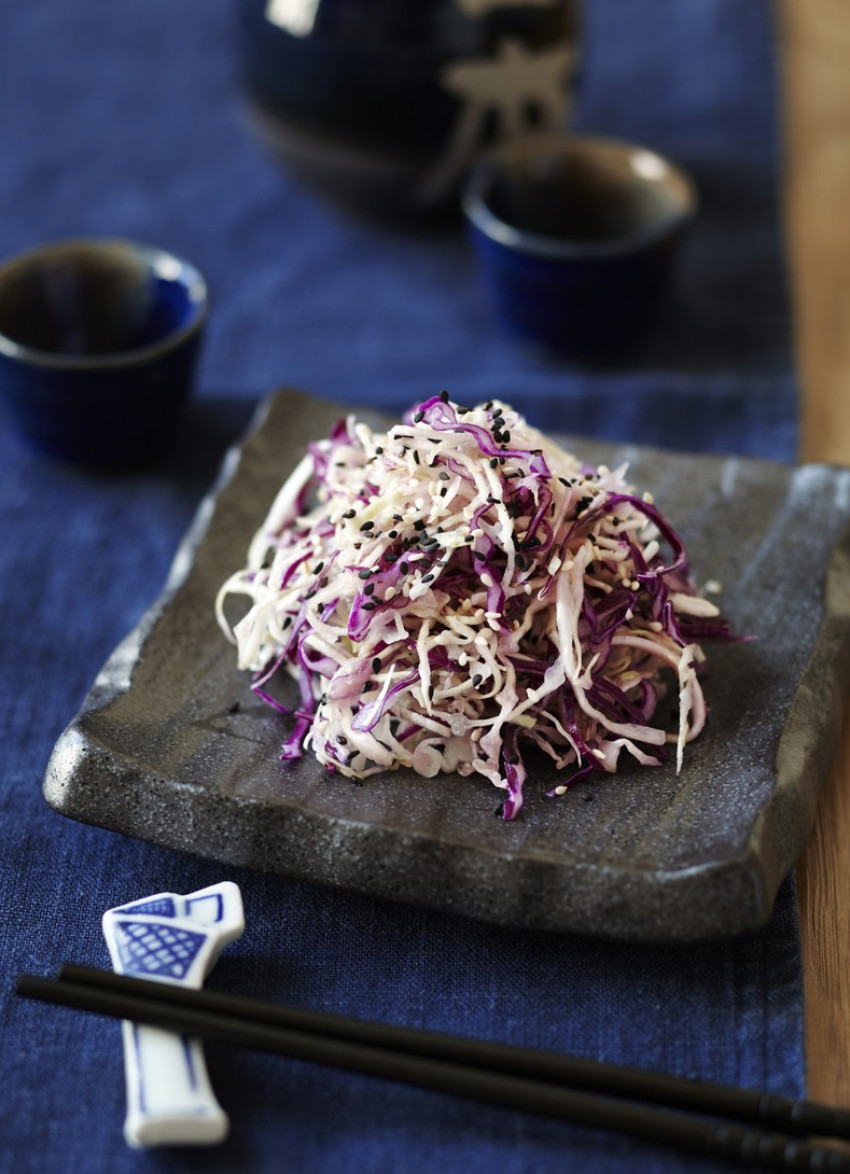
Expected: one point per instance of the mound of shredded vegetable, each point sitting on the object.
(459, 591)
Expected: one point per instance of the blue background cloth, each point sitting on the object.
(126, 120)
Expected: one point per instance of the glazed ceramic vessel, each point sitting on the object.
(99, 341)
(384, 103)
(577, 238)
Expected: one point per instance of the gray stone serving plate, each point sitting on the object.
(171, 746)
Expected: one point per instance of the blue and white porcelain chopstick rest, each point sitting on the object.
(176, 939)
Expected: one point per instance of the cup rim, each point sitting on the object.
(500, 232)
(154, 256)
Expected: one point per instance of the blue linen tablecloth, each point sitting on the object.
(126, 120)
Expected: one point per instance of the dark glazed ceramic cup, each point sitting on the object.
(576, 238)
(98, 345)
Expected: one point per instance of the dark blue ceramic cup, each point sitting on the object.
(98, 345)
(576, 238)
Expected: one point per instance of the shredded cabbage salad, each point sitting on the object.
(459, 591)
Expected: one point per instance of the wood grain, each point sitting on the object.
(815, 56)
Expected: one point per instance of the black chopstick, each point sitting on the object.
(190, 1014)
(758, 1108)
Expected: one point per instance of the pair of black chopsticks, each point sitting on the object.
(713, 1120)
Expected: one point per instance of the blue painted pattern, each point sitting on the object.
(165, 950)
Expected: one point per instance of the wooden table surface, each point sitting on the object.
(815, 60)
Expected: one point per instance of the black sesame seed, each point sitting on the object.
(378, 450)
(445, 476)
(479, 555)
(368, 686)
(419, 524)
(364, 574)
(370, 606)
(494, 462)
(376, 665)
(404, 568)
(349, 513)
(443, 491)
(476, 680)
(416, 456)
(392, 534)
(369, 589)
(420, 415)
(427, 578)
(444, 396)
(318, 568)
(506, 436)
(368, 526)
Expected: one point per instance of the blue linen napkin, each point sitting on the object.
(126, 120)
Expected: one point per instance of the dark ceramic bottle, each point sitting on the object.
(384, 103)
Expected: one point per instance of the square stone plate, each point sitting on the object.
(172, 747)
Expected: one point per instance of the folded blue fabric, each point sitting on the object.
(128, 121)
